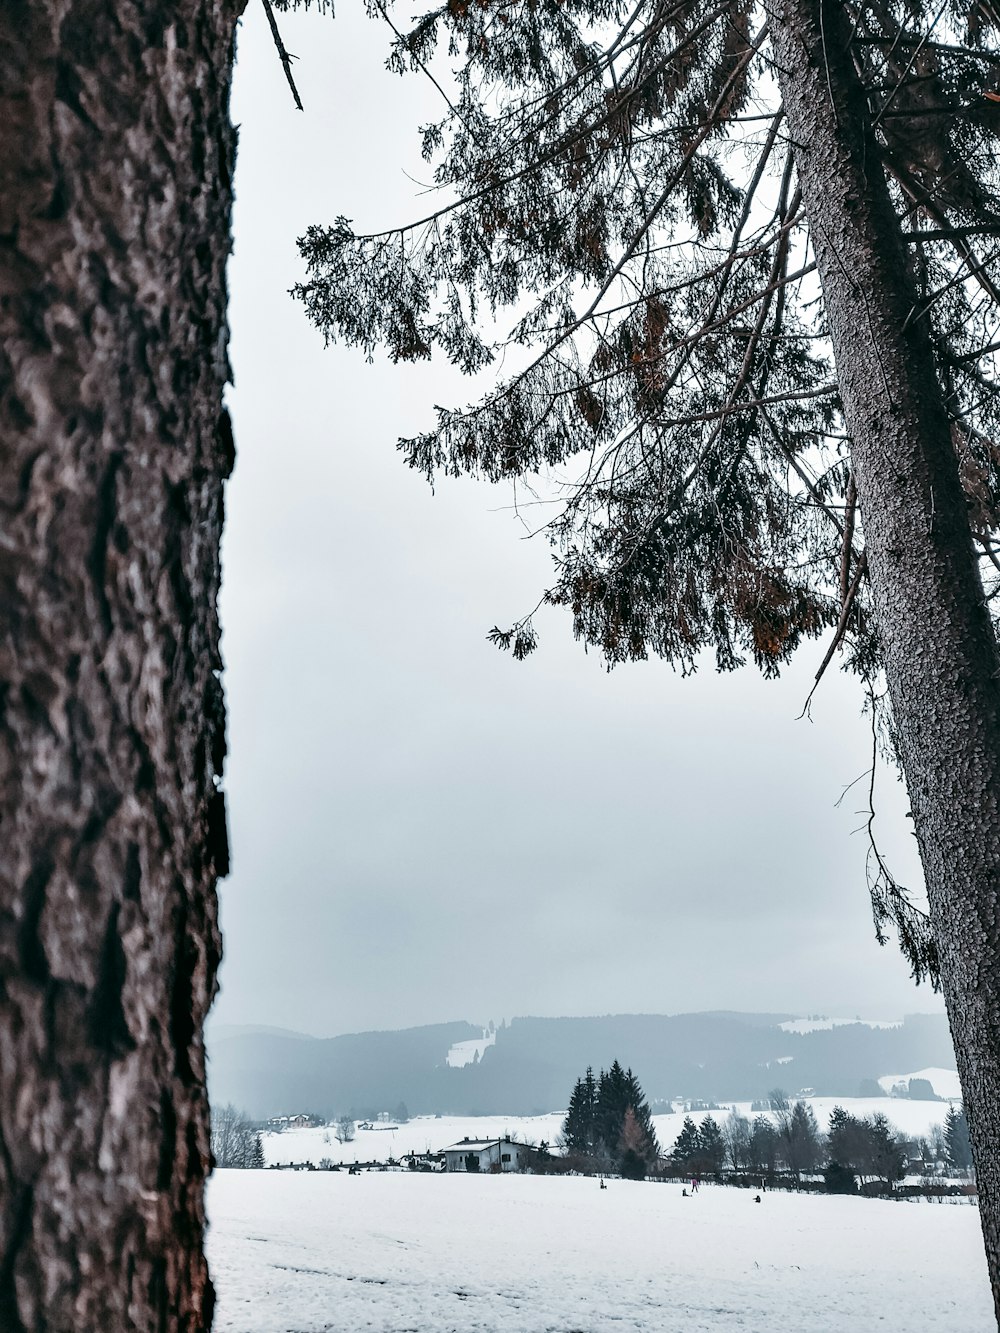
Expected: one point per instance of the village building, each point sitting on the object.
(279, 1122)
(502, 1154)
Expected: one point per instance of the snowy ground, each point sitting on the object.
(432, 1133)
(405, 1252)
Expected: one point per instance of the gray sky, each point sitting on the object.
(422, 828)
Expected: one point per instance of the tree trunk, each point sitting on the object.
(116, 155)
(940, 652)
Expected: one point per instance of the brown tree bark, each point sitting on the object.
(941, 659)
(116, 154)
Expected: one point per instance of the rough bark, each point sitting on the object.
(116, 155)
(941, 658)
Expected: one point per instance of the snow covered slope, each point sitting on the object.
(943, 1081)
(803, 1025)
(465, 1052)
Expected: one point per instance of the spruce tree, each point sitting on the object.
(580, 1125)
(755, 344)
(687, 1145)
(844, 1139)
(612, 1104)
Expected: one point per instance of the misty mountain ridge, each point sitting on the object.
(529, 1065)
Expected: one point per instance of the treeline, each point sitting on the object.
(609, 1128)
(865, 1152)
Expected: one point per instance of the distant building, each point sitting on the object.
(501, 1154)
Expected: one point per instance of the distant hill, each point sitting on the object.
(534, 1062)
(223, 1031)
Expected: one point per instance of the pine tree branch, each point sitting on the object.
(841, 630)
(284, 55)
(952, 233)
(922, 198)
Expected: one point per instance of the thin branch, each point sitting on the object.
(840, 631)
(952, 233)
(284, 55)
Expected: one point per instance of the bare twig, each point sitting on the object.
(284, 55)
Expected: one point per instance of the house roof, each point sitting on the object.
(477, 1145)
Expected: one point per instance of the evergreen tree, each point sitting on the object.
(257, 1153)
(839, 1179)
(956, 1137)
(580, 1125)
(115, 446)
(687, 1145)
(886, 1156)
(711, 1146)
(612, 1104)
(728, 428)
(869, 1148)
(845, 1139)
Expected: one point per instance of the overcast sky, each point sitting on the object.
(422, 828)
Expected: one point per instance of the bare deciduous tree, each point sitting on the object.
(235, 1139)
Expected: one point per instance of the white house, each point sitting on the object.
(501, 1154)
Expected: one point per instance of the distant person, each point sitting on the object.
(603, 1185)
(757, 1199)
(695, 1182)
(684, 1194)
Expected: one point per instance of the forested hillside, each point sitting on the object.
(534, 1062)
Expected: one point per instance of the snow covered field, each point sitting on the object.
(406, 1252)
